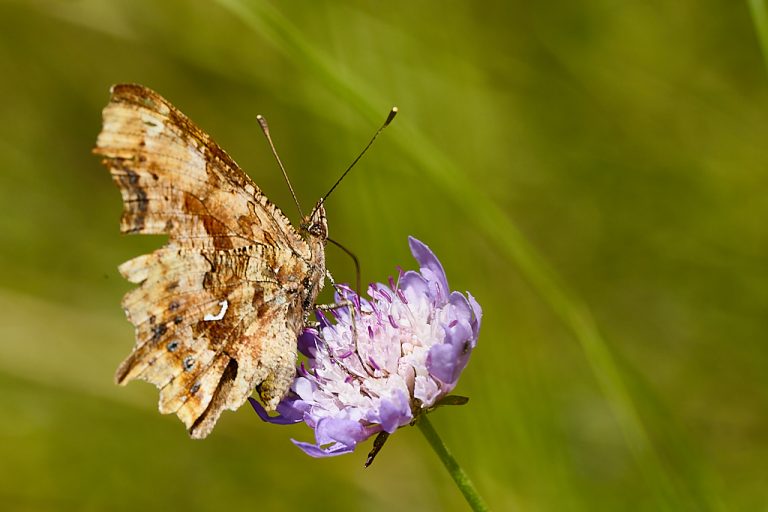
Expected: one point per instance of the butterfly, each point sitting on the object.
(219, 307)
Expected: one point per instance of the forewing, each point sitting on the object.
(175, 179)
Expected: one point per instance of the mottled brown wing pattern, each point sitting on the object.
(210, 326)
(175, 179)
(218, 309)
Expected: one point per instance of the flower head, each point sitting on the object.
(385, 360)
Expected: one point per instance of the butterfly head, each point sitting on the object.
(315, 225)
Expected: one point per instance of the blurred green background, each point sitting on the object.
(622, 363)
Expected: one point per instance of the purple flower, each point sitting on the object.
(384, 361)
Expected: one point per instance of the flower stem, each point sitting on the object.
(459, 476)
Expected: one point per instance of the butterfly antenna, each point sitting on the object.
(390, 117)
(354, 258)
(265, 129)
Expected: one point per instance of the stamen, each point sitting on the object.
(370, 332)
(400, 273)
(402, 296)
(392, 284)
(386, 296)
(373, 363)
(392, 321)
(453, 324)
(344, 287)
(322, 319)
(346, 354)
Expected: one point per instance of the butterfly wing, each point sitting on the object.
(218, 308)
(210, 326)
(175, 179)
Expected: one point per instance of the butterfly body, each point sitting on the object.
(218, 309)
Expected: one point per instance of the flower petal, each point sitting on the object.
(317, 452)
(395, 412)
(307, 342)
(431, 267)
(280, 419)
(446, 361)
(346, 432)
(461, 307)
(304, 388)
(426, 389)
(441, 362)
(413, 284)
(478, 313)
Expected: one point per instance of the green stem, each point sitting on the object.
(759, 13)
(459, 476)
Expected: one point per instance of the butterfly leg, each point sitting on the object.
(329, 307)
(346, 303)
(330, 278)
(326, 307)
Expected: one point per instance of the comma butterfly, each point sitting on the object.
(218, 308)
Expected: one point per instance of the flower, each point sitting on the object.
(384, 361)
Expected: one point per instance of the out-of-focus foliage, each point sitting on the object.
(624, 141)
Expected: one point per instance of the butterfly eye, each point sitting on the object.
(317, 230)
